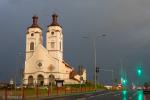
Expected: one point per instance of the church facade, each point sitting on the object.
(44, 64)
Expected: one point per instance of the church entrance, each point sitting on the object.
(40, 80)
(30, 80)
(51, 79)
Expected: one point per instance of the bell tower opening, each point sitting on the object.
(31, 46)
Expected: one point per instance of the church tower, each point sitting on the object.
(54, 39)
(33, 37)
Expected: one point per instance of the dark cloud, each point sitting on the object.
(127, 23)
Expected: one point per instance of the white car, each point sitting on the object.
(139, 88)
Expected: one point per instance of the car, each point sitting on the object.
(146, 90)
(139, 88)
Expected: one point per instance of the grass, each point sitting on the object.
(65, 90)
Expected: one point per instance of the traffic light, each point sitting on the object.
(123, 81)
(97, 69)
(139, 71)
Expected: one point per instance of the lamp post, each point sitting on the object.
(18, 72)
(94, 50)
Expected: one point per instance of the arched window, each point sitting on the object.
(31, 46)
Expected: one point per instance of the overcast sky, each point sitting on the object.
(126, 23)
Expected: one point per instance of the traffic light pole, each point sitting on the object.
(94, 47)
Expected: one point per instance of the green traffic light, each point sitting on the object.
(139, 72)
(123, 81)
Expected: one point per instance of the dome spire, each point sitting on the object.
(35, 22)
(54, 20)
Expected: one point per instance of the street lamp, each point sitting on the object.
(94, 48)
(18, 72)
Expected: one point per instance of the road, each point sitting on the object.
(106, 95)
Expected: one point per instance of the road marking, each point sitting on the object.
(117, 94)
(91, 96)
(104, 94)
(81, 99)
(87, 94)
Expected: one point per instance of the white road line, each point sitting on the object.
(91, 96)
(81, 99)
(117, 94)
(87, 94)
(104, 94)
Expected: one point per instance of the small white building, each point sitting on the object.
(44, 63)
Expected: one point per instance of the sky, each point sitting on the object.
(126, 24)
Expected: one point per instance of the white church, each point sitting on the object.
(43, 64)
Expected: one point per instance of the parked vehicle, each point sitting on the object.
(146, 88)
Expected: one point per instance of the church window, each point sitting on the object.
(40, 80)
(52, 44)
(40, 64)
(52, 33)
(31, 46)
(32, 34)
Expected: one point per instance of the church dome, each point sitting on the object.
(35, 22)
(54, 20)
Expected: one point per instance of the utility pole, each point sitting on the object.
(94, 47)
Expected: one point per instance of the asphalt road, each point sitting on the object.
(106, 95)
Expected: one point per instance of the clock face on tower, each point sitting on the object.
(39, 64)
